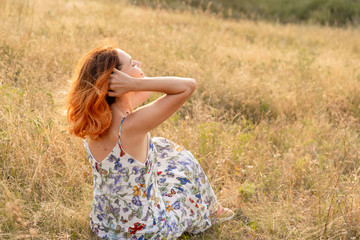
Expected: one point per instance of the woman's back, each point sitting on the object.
(104, 144)
(135, 145)
(124, 194)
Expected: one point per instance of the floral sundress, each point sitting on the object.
(161, 198)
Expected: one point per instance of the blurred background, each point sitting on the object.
(325, 12)
(274, 120)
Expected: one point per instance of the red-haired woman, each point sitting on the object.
(144, 187)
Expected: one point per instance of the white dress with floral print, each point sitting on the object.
(161, 198)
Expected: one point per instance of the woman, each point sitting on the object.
(144, 187)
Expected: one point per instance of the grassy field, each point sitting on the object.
(274, 120)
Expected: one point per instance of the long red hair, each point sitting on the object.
(88, 105)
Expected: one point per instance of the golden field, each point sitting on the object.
(274, 120)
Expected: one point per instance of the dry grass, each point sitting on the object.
(274, 120)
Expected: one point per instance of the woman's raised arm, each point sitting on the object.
(147, 117)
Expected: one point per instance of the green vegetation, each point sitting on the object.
(331, 12)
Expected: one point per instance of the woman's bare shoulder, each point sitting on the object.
(104, 144)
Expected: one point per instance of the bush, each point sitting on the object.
(332, 12)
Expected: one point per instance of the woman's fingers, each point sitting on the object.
(115, 94)
(113, 81)
(112, 94)
(118, 83)
(113, 86)
(116, 70)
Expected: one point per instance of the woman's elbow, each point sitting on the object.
(192, 84)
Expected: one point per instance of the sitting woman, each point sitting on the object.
(144, 187)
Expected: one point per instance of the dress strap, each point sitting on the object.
(121, 125)
(86, 145)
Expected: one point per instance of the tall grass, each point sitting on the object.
(274, 120)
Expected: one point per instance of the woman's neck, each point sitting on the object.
(123, 104)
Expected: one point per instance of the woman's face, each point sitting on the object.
(130, 66)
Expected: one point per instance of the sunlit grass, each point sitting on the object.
(274, 120)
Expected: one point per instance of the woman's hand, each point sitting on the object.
(119, 83)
